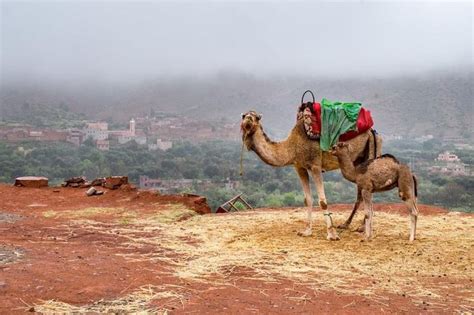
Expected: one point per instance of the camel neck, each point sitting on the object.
(347, 167)
(272, 153)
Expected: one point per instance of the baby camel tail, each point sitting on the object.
(380, 174)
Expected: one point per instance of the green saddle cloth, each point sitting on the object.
(337, 118)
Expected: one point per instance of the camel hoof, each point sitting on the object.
(332, 235)
(305, 233)
(343, 226)
(361, 229)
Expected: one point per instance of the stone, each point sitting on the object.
(78, 179)
(114, 182)
(31, 181)
(98, 182)
(75, 182)
(94, 192)
(91, 191)
(85, 185)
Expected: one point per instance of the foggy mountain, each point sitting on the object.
(437, 103)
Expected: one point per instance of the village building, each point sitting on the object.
(102, 145)
(448, 157)
(124, 136)
(75, 136)
(448, 163)
(96, 131)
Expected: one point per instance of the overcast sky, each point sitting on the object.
(126, 40)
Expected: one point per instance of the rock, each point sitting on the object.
(91, 191)
(94, 192)
(31, 181)
(114, 182)
(75, 182)
(78, 179)
(98, 182)
(85, 185)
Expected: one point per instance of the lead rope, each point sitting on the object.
(330, 218)
(242, 156)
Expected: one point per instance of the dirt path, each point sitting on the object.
(61, 251)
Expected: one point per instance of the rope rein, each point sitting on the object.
(242, 156)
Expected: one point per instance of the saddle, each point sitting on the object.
(311, 113)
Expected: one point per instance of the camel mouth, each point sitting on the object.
(246, 125)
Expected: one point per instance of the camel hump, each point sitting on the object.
(389, 156)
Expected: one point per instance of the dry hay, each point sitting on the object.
(137, 302)
(83, 213)
(211, 247)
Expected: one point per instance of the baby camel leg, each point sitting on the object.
(318, 181)
(367, 197)
(407, 191)
(346, 224)
(413, 209)
(308, 200)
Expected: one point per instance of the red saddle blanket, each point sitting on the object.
(313, 122)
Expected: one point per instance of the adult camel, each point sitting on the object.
(307, 158)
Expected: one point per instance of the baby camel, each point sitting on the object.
(380, 174)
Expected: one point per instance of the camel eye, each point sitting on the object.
(243, 115)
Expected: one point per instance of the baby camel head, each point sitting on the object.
(250, 122)
(341, 148)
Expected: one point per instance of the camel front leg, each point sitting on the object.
(318, 181)
(308, 200)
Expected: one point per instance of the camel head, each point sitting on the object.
(250, 123)
(340, 148)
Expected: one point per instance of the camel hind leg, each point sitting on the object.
(413, 221)
(367, 198)
(308, 200)
(407, 190)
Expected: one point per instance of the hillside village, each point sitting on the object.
(449, 164)
(153, 132)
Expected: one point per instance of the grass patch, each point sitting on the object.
(83, 213)
(173, 213)
(134, 303)
(49, 214)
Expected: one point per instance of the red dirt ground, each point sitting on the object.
(80, 267)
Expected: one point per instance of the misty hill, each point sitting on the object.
(434, 103)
